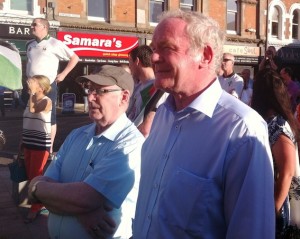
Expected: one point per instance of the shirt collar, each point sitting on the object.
(229, 76)
(206, 102)
(45, 38)
(112, 132)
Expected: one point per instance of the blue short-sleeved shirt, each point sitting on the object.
(110, 163)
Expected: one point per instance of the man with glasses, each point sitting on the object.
(43, 55)
(97, 167)
(230, 81)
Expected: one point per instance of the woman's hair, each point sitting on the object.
(43, 81)
(201, 31)
(270, 93)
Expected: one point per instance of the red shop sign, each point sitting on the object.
(97, 45)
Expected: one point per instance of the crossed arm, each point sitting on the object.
(74, 199)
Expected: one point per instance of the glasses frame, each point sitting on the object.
(92, 91)
(35, 24)
(226, 60)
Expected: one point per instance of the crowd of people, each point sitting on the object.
(181, 146)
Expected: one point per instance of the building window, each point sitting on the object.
(275, 22)
(233, 16)
(25, 5)
(97, 10)
(187, 5)
(156, 9)
(295, 25)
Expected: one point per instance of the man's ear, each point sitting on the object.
(137, 61)
(125, 96)
(207, 56)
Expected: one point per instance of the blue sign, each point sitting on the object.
(68, 102)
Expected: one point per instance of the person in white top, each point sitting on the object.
(43, 54)
(230, 81)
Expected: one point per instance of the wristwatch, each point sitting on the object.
(33, 191)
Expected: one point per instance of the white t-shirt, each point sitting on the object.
(233, 84)
(43, 57)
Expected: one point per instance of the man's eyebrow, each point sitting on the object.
(166, 43)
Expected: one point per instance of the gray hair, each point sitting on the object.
(202, 31)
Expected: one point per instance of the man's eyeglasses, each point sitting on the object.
(34, 24)
(225, 60)
(92, 91)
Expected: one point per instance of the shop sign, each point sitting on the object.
(246, 60)
(98, 45)
(15, 31)
(104, 60)
(242, 50)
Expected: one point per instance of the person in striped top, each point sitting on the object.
(36, 136)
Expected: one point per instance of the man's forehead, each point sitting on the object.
(168, 27)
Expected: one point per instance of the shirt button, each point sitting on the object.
(149, 216)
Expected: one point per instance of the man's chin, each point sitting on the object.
(162, 84)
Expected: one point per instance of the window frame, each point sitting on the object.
(278, 22)
(237, 14)
(7, 8)
(164, 8)
(188, 6)
(98, 18)
(296, 24)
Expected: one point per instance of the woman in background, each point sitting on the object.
(271, 100)
(36, 136)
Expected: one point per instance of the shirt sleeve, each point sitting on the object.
(62, 51)
(249, 191)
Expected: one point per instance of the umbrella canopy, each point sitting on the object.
(10, 66)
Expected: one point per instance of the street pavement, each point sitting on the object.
(13, 205)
